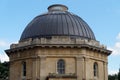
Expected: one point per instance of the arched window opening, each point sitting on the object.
(95, 67)
(61, 66)
(23, 69)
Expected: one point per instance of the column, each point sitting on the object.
(34, 69)
(80, 68)
(43, 68)
(105, 64)
(38, 68)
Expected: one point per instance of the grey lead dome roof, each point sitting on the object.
(57, 22)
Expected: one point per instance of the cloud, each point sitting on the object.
(111, 72)
(3, 46)
(3, 57)
(118, 37)
(4, 43)
(116, 48)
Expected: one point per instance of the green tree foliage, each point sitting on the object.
(119, 75)
(112, 77)
(4, 70)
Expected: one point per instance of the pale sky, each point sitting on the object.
(102, 16)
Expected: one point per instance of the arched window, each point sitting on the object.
(95, 68)
(61, 66)
(23, 69)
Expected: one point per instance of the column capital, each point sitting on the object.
(82, 57)
(79, 57)
(41, 56)
(105, 62)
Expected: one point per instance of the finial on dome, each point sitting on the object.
(57, 7)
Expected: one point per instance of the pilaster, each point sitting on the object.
(105, 66)
(42, 68)
(80, 68)
(34, 68)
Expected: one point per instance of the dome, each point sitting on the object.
(57, 22)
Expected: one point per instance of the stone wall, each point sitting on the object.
(41, 56)
(42, 61)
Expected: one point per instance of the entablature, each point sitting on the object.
(58, 42)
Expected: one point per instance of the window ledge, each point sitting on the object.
(54, 75)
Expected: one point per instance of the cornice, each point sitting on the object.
(80, 46)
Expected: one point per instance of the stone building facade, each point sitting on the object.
(58, 45)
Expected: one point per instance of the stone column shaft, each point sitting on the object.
(34, 67)
(43, 68)
(105, 70)
(80, 68)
